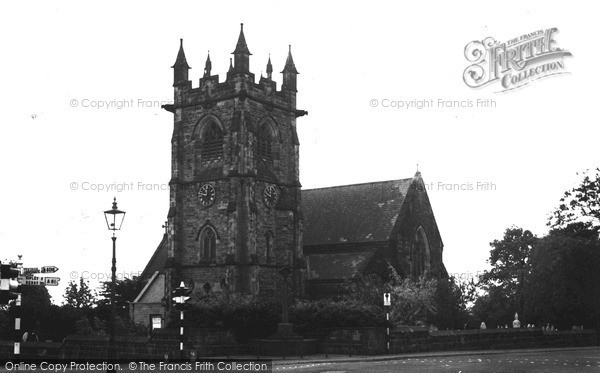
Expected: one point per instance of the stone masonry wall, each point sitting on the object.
(239, 107)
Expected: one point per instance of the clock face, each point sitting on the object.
(206, 194)
(270, 195)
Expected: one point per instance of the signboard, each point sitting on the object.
(31, 280)
(27, 271)
(44, 269)
(51, 281)
(387, 299)
(49, 269)
(34, 280)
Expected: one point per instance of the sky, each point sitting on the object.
(82, 85)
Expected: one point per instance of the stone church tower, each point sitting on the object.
(235, 219)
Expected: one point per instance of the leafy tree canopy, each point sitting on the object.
(126, 290)
(505, 281)
(564, 286)
(580, 204)
(79, 296)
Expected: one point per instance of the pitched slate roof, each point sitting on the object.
(147, 295)
(157, 262)
(338, 266)
(352, 213)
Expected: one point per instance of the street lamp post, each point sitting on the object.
(114, 220)
(180, 297)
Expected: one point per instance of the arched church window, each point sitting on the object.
(420, 256)
(208, 244)
(263, 146)
(212, 142)
(269, 245)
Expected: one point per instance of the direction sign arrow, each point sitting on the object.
(33, 281)
(42, 281)
(51, 281)
(49, 269)
(31, 270)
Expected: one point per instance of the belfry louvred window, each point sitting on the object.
(212, 143)
(263, 145)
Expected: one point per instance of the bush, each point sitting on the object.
(248, 317)
(317, 317)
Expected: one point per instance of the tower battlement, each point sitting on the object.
(240, 83)
(210, 91)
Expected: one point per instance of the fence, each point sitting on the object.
(347, 341)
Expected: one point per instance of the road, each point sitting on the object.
(514, 361)
(587, 360)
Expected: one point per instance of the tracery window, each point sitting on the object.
(263, 145)
(420, 255)
(208, 243)
(212, 143)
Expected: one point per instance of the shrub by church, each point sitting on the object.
(237, 213)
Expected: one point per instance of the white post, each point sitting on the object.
(181, 334)
(387, 303)
(17, 346)
(387, 317)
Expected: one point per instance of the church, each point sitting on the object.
(238, 218)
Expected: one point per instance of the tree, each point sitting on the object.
(468, 290)
(564, 286)
(413, 301)
(510, 263)
(35, 297)
(126, 291)
(580, 204)
(79, 296)
(451, 303)
(494, 307)
(35, 304)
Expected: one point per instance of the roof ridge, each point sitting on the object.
(347, 185)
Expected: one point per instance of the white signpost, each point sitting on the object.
(387, 302)
(31, 276)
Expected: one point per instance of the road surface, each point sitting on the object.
(585, 360)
